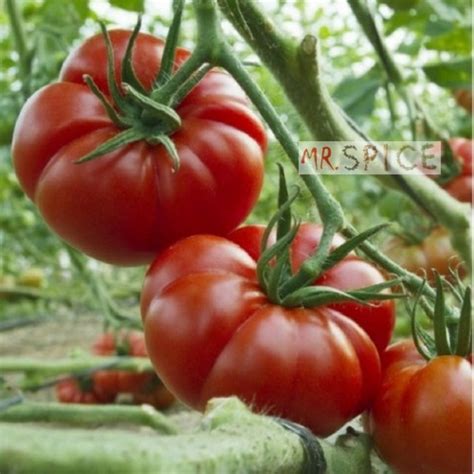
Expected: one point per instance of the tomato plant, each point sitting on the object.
(211, 331)
(125, 205)
(377, 320)
(421, 417)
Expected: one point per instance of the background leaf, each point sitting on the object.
(130, 5)
(453, 75)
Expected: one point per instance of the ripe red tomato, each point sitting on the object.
(434, 253)
(461, 186)
(211, 331)
(124, 206)
(377, 320)
(121, 381)
(421, 417)
(73, 391)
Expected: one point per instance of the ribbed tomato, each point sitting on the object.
(211, 331)
(124, 206)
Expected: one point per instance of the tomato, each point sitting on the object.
(464, 99)
(377, 320)
(211, 331)
(126, 205)
(461, 186)
(434, 253)
(121, 381)
(421, 417)
(74, 391)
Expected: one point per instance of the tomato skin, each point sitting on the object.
(434, 253)
(249, 237)
(210, 331)
(70, 391)
(125, 206)
(421, 417)
(378, 320)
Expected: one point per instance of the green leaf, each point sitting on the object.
(411, 48)
(438, 27)
(443, 9)
(453, 74)
(457, 40)
(405, 19)
(356, 95)
(130, 5)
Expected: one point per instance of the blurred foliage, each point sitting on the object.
(431, 40)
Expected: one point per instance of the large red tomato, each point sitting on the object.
(377, 320)
(421, 418)
(211, 331)
(124, 206)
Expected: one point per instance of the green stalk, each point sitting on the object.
(229, 439)
(88, 415)
(21, 45)
(73, 365)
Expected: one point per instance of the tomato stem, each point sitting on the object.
(189, 85)
(119, 120)
(88, 415)
(166, 68)
(439, 321)
(464, 332)
(25, 55)
(128, 73)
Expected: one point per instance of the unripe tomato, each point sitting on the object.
(434, 253)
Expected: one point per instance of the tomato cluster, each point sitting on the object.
(103, 386)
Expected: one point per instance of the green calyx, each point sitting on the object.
(274, 267)
(138, 112)
(451, 336)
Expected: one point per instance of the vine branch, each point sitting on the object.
(295, 66)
